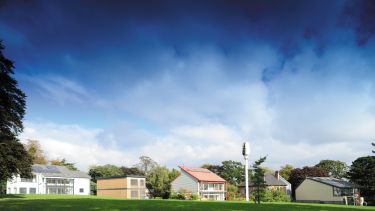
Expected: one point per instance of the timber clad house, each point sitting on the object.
(128, 187)
(324, 190)
(50, 179)
(206, 184)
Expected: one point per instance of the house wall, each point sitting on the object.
(81, 183)
(185, 181)
(310, 190)
(122, 187)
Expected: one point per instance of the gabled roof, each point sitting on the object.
(270, 180)
(339, 183)
(57, 171)
(202, 174)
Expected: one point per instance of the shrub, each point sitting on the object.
(271, 195)
(183, 194)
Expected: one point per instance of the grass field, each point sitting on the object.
(80, 203)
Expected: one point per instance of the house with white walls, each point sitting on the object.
(50, 179)
(203, 182)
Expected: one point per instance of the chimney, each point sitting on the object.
(277, 175)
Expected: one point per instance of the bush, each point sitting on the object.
(183, 194)
(271, 195)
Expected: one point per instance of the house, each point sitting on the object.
(324, 190)
(206, 184)
(50, 179)
(128, 187)
(272, 181)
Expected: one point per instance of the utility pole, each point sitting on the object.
(245, 153)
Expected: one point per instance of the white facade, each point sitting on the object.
(205, 190)
(48, 184)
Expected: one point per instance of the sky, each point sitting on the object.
(187, 82)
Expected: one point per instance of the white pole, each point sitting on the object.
(245, 152)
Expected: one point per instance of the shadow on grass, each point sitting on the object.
(154, 205)
(11, 196)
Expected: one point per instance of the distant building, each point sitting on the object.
(324, 190)
(274, 181)
(49, 179)
(128, 187)
(206, 184)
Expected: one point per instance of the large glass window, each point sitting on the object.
(134, 182)
(342, 191)
(33, 179)
(142, 182)
(134, 194)
(23, 190)
(32, 190)
(59, 186)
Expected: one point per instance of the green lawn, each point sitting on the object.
(58, 202)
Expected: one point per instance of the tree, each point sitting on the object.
(131, 171)
(158, 182)
(217, 169)
(362, 173)
(146, 164)
(258, 179)
(107, 170)
(232, 172)
(35, 151)
(14, 159)
(297, 175)
(335, 168)
(173, 174)
(63, 162)
(285, 171)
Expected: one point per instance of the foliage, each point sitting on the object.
(335, 168)
(173, 174)
(131, 171)
(362, 173)
(35, 151)
(232, 191)
(275, 195)
(146, 164)
(217, 169)
(297, 175)
(158, 182)
(63, 162)
(267, 169)
(14, 159)
(285, 171)
(183, 194)
(107, 170)
(92, 188)
(232, 172)
(258, 179)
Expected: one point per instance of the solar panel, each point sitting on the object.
(200, 170)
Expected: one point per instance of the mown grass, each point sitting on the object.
(80, 203)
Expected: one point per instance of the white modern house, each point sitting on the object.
(203, 182)
(50, 179)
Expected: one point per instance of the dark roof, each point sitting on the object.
(339, 183)
(270, 180)
(57, 171)
(118, 177)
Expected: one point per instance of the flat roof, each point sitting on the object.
(118, 177)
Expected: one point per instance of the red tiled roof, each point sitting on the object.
(202, 174)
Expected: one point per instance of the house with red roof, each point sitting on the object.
(203, 182)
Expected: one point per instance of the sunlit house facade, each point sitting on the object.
(49, 179)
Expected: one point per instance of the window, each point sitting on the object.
(32, 190)
(23, 190)
(134, 194)
(342, 191)
(33, 179)
(81, 190)
(142, 194)
(142, 183)
(134, 182)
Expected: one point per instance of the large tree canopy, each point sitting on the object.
(335, 168)
(35, 151)
(14, 159)
(362, 173)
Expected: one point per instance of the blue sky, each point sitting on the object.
(188, 82)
